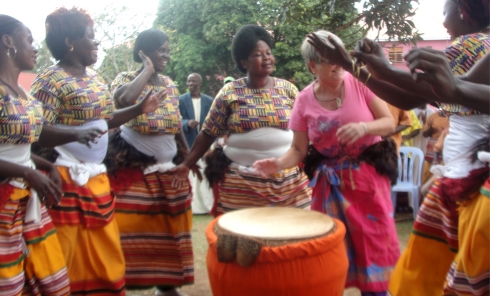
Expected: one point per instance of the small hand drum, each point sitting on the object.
(276, 251)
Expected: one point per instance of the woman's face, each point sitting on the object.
(452, 20)
(160, 57)
(327, 73)
(87, 47)
(261, 61)
(26, 52)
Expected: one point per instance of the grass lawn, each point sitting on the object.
(200, 245)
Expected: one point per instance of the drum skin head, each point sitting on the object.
(276, 223)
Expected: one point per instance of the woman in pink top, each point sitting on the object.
(344, 121)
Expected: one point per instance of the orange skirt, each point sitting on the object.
(315, 267)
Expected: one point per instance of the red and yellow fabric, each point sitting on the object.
(90, 205)
(155, 223)
(89, 237)
(470, 271)
(166, 120)
(244, 190)
(31, 261)
(102, 248)
(435, 241)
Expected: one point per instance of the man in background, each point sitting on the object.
(194, 107)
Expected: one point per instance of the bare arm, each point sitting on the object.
(52, 137)
(127, 94)
(472, 90)
(295, 154)
(388, 92)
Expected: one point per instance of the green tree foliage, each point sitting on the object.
(44, 58)
(117, 37)
(201, 31)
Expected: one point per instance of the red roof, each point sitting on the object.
(26, 79)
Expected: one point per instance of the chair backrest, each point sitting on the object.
(410, 165)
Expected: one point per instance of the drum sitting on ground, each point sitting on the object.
(276, 251)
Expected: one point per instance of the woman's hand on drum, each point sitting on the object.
(89, 136)
(350, 133)
(266, 167)
(181, 175)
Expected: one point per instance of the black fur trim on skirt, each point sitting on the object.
(120, 154)
(47, 153)
(216, 165)
(480, 145)
(382, 156)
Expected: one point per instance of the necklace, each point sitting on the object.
(337, 99)
(13, 90)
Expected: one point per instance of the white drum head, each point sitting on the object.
(276, 223)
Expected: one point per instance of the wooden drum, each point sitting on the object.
(276, 251)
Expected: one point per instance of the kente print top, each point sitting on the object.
(239, 109)
(462, 54)
(20, 120)
(72, 100)
(166, 120)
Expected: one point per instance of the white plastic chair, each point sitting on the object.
(410, 165)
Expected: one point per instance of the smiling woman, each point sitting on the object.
(74, 97)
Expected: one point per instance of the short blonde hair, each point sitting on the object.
(308, 51)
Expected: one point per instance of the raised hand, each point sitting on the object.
(350, 133)
(266, 167)
(431, 66)
(89, 136)
(152, 102)
(147, 63)
(334, 52)
(371, 54)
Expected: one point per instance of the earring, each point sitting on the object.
(15, 52)
(461, 16)
(71, 48)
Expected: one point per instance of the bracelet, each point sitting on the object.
(367, 79)
(364, 125)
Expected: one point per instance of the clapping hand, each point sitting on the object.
(371, 54)
(152, 102)
(429, 65)
(88, 136)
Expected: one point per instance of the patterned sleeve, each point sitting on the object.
(45, 91)
(216, 123)
(293, 93)
(121, 79)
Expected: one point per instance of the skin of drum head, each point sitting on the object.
(276, 223)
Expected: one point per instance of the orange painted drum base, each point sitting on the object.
(313, 267)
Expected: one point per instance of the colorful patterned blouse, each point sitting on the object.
(164, 121)
(463, 53)
(20, 120)
(239, 109)
(72, 100)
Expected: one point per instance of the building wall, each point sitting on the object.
(405, 48)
